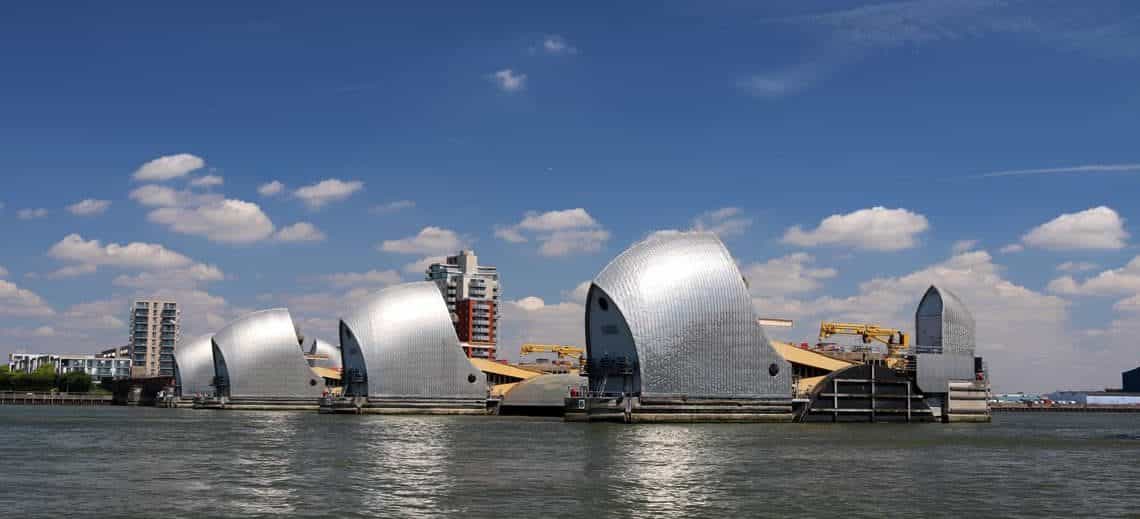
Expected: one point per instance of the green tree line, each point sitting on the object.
(44, 379)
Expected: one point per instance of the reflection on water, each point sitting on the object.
(129, 462)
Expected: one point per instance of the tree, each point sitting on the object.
(74, 382)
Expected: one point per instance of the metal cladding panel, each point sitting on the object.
(690, 316)
(333, 362)
(943, 324)
(934, 372)
(263, 359)
(403, 341)
(194, 363)
(545, 390)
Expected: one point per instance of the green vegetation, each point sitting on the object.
(43, 380)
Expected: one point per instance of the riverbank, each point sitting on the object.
(1014, 408)
(31, 398)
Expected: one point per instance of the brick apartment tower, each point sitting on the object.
(472, 294)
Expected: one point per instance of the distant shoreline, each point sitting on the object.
(1022, 408)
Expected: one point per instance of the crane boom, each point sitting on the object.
(896, 340)
(557, 349)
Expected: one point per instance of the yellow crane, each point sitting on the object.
(896, 340)
(557, 349)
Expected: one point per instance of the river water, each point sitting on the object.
(145, 462)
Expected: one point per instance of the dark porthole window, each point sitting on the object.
(471, 378)
(603, 304)
(773, 369)
(312, 382)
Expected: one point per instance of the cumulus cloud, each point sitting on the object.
(103, 314)
(74, 249)
(227, 221)
(273, 188)
(430, 240)
(31, 214)
(579, 293)
(300, 232)
(168, 167)
(1131, 304)
(1096, 228)
(1012, 248)
(1121, 281)
(162, 267)
(791, 274)
(89, 207)
(329, 190)
(877, 228)
(3, 271)
(559, 233)
(207, 181)
(153, 195)
(21, 302)
(725, 222)
(508, 80)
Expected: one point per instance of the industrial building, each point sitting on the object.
(401, 354)
(671, 335)
(472, 293)
(155, 330)
(258, 363)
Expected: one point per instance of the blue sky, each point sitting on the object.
(433, 128)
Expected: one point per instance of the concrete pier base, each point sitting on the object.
(405, 406)
(677, 410)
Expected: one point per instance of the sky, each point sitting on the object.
(236, 157)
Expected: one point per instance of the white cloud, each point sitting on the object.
(21, 302)
(89, 206)
(392, 207)
(430, 240)
(31, 214)
(228, 221)
(725, 222)
(562, 243)
(1077, 266)
(555, 44)
(168, 167)
(508, 80)
(271, 188)
(1012, 248)
(72, 271)
(359, 279)
(153, 195)
(151, 256)
(961, 246)
(877, 228)
(207, 181)
(791, 274)
(1121, 281)
(559, 232)
(300, 232)
(102, 315)
(329, 190)
(557, 220)
(3, 271)
(1096, 228)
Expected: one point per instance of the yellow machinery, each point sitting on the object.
(561, 351)
(896, 340)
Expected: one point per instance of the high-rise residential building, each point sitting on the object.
(154, 332)
(472, 294)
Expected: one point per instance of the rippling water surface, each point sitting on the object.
(136, 462)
